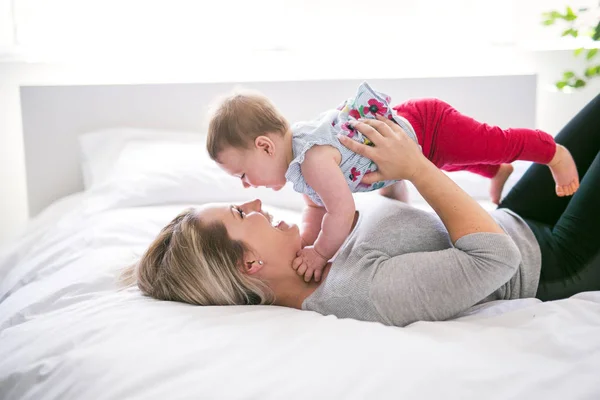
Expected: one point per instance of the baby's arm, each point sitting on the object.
(312, 217)
(322, 172)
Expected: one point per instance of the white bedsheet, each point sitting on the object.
(66, 333)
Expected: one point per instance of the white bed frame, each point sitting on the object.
(53, 116)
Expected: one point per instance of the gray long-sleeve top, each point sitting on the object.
(399, 266)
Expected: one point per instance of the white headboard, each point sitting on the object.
(53, 116)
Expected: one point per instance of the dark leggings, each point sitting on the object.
(568, 228)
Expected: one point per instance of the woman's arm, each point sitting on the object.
(458, 211)
(398, 157)
(438, 285)
(312, 218)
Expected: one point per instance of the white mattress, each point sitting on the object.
(67, 333)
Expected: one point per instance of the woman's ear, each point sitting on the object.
(252, 266)
(264, 143)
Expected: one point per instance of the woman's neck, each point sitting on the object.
(292, 291)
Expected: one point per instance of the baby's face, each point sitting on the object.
(254, 167)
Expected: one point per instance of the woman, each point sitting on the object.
(399, 264)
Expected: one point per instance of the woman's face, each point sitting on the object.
(273, 242)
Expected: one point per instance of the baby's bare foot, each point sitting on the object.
(498, 182)
(564, 172)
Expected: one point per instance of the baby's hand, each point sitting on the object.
(309, 263)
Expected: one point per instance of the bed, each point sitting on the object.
(68, 331)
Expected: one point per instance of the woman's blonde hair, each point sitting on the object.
(237, 120)
(196, 263)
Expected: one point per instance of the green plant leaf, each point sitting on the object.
(561, 84)
(578, 51)
(591, 53)
(596, 35)
(548, 22)
(568, 75)
(556, 14)
(589, 72)
(570, 16)
(579, 83)
(571, 32)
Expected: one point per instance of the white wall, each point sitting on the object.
(554, 109)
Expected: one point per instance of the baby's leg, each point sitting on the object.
(498, 181)
(530, 197)
(461, 140)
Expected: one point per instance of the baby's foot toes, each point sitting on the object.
(574, 187)
(568, 190)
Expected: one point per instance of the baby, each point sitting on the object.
(251, 140)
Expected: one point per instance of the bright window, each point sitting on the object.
(183, 29)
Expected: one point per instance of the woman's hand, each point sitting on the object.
(396, 155)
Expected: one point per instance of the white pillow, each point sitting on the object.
(157, 172)
(101, 149)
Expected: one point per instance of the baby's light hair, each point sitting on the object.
(237, 120)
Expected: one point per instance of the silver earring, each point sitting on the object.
(260, 262)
